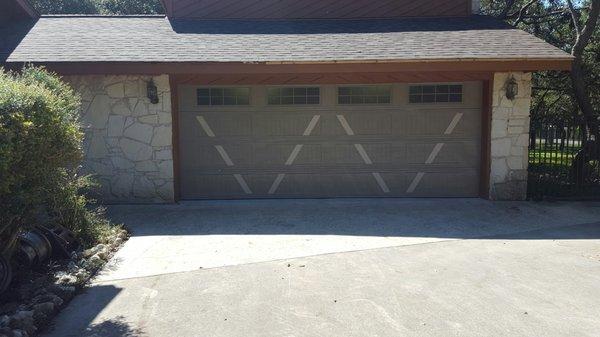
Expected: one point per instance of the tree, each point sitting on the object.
(560, 97)
(104, 7)
(559, 22)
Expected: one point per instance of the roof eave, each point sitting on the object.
(329, 66)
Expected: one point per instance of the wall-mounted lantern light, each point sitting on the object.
(152, 92)
(512, 88)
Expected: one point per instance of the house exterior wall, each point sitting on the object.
(510, 138)
(128, 142)
(315, 9)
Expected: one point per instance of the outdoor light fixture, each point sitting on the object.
(512, 88)
(152, 92)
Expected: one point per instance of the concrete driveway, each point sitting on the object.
(355, 267)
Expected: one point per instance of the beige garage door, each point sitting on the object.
(398, 140)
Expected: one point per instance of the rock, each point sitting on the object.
(116, 90)
(166, 169)
(140, 132)
(122, 185)
(122, 235)
(66, 279)
(82, 275)
(23, 320)
(143, 187)
(66, 293)
(93, 263)
(146, 166)
(135, 150)
(97, 148)
(96, 115)
(166, 154)
(103, 255)
(162, 136)
(43, 311)
(49, 297)
(4, 320)
(115, 125)
(118, 242)
(121, 108)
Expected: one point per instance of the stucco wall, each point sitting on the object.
(128, 143)
(510, 138)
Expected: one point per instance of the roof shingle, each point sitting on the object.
(156, 39)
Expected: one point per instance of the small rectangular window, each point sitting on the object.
(435, 93)
(365, 95)
(294, 96)
(223, 96)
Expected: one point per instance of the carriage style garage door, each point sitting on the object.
(396, 140)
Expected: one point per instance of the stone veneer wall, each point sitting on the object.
(128, 143)
(510, 138)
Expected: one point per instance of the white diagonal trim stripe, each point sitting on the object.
(453, 123)
(381, 182)
(436, 150)
(205, 126)
(276, 183)
(224, 155)
(242, 183)
(294, 154)
(345, 125)
(311, 125)
(309, 129)
(415, 182)
(363, 154)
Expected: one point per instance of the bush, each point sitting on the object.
(40, 153)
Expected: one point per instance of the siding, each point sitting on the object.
(315, 9)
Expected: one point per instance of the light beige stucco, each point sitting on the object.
(128, 142)
(510, 138)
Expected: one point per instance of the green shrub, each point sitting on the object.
(40, 153)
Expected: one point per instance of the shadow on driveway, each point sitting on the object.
(416, 218)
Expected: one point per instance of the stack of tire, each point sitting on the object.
(5, 273)
(36, 247)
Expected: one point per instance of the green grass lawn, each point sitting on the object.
(552, 157)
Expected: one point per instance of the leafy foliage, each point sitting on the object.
(104, 7)
(40, 152)
(553, 95)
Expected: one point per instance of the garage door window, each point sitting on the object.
(294, 96)
(435, 93)
(365, 95)
(223, 96)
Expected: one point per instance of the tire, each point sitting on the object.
(5, 274)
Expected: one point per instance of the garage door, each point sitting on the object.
(396, 140)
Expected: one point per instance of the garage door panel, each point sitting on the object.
(369, 122)
(210, 186)
(218, 156)
(284, 124)
(445, 184)
(224, 124)
(331, 150)
(438, 122)
(287, 154)
(443, 153)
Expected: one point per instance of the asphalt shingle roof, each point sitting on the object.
(156, 39)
